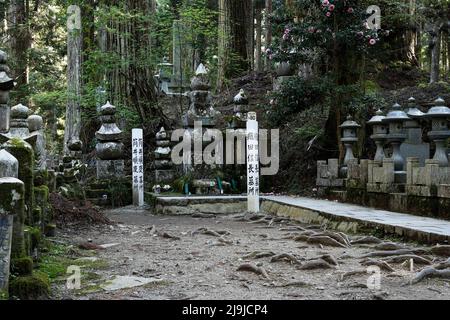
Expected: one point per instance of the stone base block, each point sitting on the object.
(443, 191)
(421, 191)
(164, 176)
(322, 182)
(108, 169)
(385, 188)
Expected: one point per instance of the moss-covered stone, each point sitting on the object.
(33, 287)
(22, 266)
(12, 202)
(41, 195)
(34, 235)
(23, 152)
(40, 177)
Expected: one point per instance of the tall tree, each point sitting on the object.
(235, 39)
(20, 43)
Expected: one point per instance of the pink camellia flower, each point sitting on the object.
(350, 10)
(360, 34)
(325, 3)
(372, 42)
(331, 7)
(328, 14)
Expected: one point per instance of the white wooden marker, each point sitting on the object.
(138, 167)
(252, 163)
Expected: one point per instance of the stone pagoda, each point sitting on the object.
(110, 163)
(164, 167)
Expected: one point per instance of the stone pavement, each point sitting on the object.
(399, 221)
(343, 216)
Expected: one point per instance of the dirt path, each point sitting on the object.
(203, 266)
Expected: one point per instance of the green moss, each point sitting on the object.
(22, 266)
(40, 178)
(12, 202)
(36, 216)
(32, 287)
(4, 295)
(35, 236)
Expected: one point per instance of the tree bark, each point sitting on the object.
(235, 47)
(435, 51)
(268, 35)
(258, 44)
(20, 43)
(74, 56)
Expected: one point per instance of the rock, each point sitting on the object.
(125, 282)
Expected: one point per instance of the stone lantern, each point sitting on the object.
(349, 138)
(164, 75)
(440, 132)
(395, 118)
(380, 131)
(6, 85)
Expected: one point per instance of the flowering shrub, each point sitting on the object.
(320, 25)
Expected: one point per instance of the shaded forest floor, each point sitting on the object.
(183, 261)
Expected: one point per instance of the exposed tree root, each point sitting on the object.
(408, 257)
(298, 283)
(338, 236)
(352, 273)
(441, 250)
(366, 240)
(209, 232)
(292, 228)
(202, 215)
(225, 241)
(443, 265)
(330, 259)
(326, 241)
(315, 264)
(388, 253)
(259, 254)
(90, 246)
(165, 235)
(430, 272)
(285, 257)
(388, 246)
(252, 268)
(383, 265)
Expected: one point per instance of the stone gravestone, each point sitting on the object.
(11, 215)
(138, 167)
(252, 163)
(35, 126)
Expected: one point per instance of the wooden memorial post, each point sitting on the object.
(252, 163)
(138, 167)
